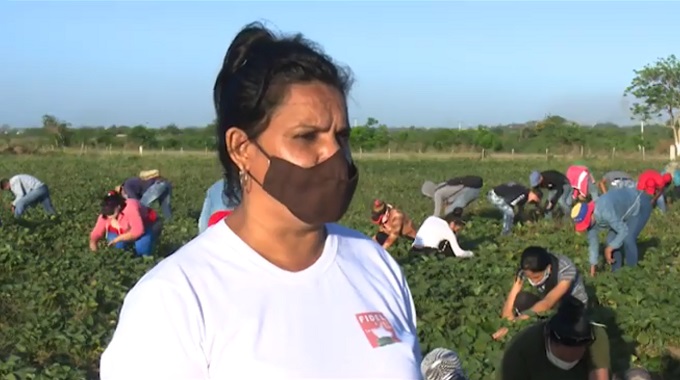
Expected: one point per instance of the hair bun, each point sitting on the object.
(240, 49)
(237, 55)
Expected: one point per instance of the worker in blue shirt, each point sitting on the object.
(623, 213)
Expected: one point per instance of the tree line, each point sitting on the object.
(654, 90)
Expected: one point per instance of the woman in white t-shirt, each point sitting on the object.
(437, 235)
(276, 291)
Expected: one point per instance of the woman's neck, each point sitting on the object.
(289, 249)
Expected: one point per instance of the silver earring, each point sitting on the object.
(243, 177)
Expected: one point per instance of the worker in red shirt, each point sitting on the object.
(654, 183)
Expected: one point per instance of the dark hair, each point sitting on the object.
(571, 326)
(455, 216)
(535, 259)
(255, 74)
(111, 201)
(4, 182)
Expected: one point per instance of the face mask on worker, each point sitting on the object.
(557, 362)
(316, 195)
(542, 281)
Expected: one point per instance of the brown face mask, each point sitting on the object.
(316, 195)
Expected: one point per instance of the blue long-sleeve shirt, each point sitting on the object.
(215, 200)
(612, 211)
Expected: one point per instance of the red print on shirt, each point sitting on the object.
(377, 328)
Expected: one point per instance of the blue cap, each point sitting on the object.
(534, 178)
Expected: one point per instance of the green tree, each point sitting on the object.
(656, 90)
(58, 129)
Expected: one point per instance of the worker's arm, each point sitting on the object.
(509, 306)
(553, 296)
(618, 225)
(602, 185)
(559, 191)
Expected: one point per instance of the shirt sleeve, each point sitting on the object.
(599, 351)
(567, 273)
(99, 229)
(559, 191)
(158, 336)
(593, 245)
(455, 247)
(17, 190)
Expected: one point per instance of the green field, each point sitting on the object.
(59, 301)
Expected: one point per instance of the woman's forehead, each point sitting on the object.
(311, 106)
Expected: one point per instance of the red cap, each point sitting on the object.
(218, 216)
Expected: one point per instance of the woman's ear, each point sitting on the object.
(236, 142)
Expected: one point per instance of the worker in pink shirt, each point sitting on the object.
(583, 183)
(126, 224)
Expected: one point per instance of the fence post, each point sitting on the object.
(181, 150)
(163, 148)
(613, 151)
(512, 153)
(141, 150)
(483, 153)
(581, 150)
(361, 152)
(643, 153)
(389, 153)
(547, 153)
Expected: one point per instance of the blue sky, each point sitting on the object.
(416, 63)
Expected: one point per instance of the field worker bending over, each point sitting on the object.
(392, 224)
(621, 212)
(437, 235)
(507, 197)
(147, 188)
(552, 276)
(559, 190)
(568, 346)
(616, 179)
(216, 206)
(28, 192)
(455, 193)
(126, 223)
(583, 183)
(654, 183)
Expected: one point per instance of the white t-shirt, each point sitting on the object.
(433, 231)
(218, 310)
